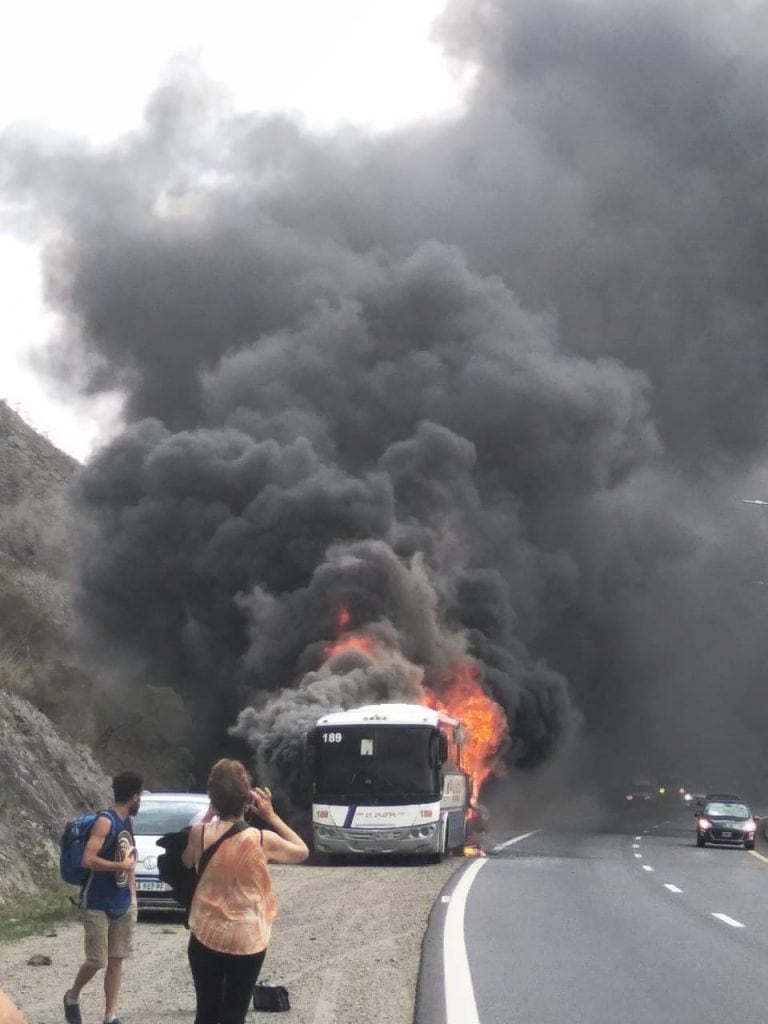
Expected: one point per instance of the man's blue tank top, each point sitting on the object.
(109, 890)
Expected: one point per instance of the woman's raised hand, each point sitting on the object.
(261, 802)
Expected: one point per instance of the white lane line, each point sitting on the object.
(728, 920)
(638, 837)
(672, 888)
(635, 846)
(639, 856)
(645, 831)
(510, 842)
(460, 1006)
(647, 867)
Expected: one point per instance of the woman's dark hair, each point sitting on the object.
(229, 787)
(126, 785)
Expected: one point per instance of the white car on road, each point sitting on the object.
(161, 813)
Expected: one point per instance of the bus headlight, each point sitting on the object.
(423, 833)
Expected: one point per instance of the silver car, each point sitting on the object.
(161, 813)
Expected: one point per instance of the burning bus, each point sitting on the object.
(389, 779)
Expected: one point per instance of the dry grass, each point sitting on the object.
(34, 915)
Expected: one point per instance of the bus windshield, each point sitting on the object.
(375, 764)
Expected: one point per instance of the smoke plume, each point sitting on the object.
(494, 384)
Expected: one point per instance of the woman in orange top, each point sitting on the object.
(234, 906)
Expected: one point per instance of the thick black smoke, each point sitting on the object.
(496, 384)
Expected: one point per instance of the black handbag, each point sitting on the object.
(270, 998)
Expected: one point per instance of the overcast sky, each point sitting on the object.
(86, 68)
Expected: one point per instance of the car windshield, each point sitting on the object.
(739, 812)
(157, 817)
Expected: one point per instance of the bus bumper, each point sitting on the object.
(406, 842)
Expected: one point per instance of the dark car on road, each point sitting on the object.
(700, 800)
(725, 822)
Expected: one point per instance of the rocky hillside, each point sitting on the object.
(45, 777)
(64, 727)
(33, 508)
(34, 549)
(44, 781)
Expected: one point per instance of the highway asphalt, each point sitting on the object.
(627, 922)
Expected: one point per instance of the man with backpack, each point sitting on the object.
(108, 897)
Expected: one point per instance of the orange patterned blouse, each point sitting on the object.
(234, 905)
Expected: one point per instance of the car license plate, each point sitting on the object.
(143, 886)
(727, 835)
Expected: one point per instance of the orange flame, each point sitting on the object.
(474, 851)
(353, 642)
(485, 722)
(463, 698)
(350, 641)
(343, 618)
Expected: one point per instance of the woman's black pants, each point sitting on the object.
(223, 983)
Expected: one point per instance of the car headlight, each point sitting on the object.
(704, 824)
(749, 826)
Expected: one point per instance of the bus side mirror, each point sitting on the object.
(442, 748)
(438, 749)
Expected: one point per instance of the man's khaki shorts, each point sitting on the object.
(108, 937)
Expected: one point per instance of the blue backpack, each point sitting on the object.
(72, 846)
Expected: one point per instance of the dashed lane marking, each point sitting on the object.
(638, 837)
(647, 867)
(728, 920)
(635, 846)
(638, 856)
(672, 888)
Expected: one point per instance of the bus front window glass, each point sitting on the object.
(403, 763)
(375, 763)
(346, 761)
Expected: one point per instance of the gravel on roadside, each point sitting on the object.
(346, 944)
